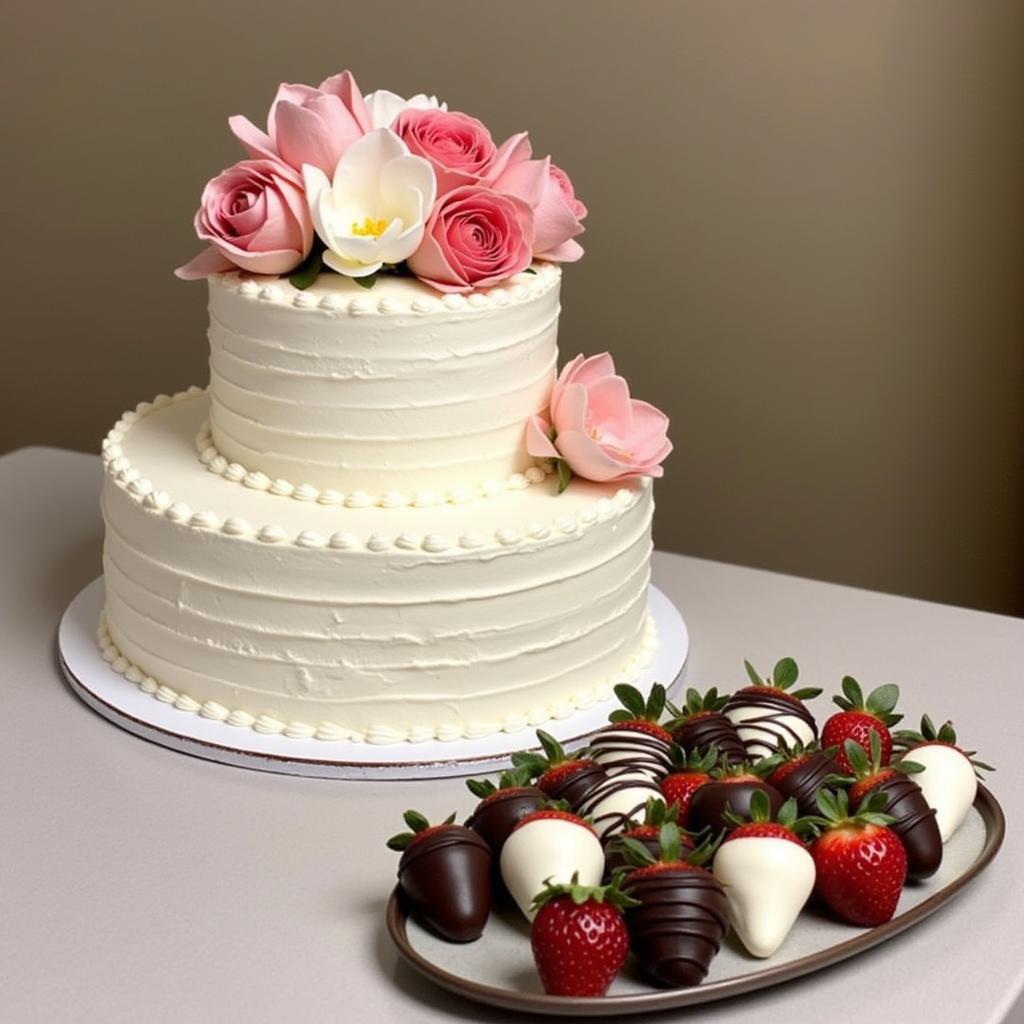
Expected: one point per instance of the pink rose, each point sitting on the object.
(474, 237)
(557, 213)
(255, 216)
(307, 125)
(599, 431)
(459, 146)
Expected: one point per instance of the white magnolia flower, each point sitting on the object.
(374, 210)
(385, 106)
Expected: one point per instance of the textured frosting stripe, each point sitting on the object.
(422, 392)
(382, 733)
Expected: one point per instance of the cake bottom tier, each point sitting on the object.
(382, 624)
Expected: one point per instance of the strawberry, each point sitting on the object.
(913, 820)
(700, 725)
(647, 833)
(859, 718)
(502, 806)
(799, 771)
(616, 801)
(635, 742)
(549, 844)
(860, 862)
(692, 772)
(558, 775)
(682, 917)
(768, 713)
(578, 937)
(949, 779)
(730, 790)
(767, 874)
(445, 874)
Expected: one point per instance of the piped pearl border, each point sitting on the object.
(521, 287)
(377, 734)
(158, 502)
(217, 464)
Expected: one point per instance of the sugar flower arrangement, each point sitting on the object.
(361, 185)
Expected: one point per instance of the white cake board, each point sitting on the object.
(124, 704)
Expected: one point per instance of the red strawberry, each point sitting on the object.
(682, 916)
(558, 775)
(635, 742)
(445, 873)
(861, 864)
(692, 773)
(700, 725)
(768, 712)
(578, 937)
(549, 844)
(859, 718)
(767, 874)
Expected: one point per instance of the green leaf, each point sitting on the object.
(480, 788)
(910, 767)
(366, 282)
(621, 715)
(400, 841)
(530, 270)
(806, 693)
(785, 673)
(656, 701)
(669, 842)
(552, 748)
(882, 700)
(853, 692)
(564, 474)
(754, 677)
(308, 270)
(415, 821)
(760, 808)
(631, 699)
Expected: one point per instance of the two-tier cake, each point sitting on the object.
(385, 519)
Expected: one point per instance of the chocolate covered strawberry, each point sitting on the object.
(767, 874)
(768, 712)
(578, 937)
(860, 862)
(551, 843)
(502, 806)
(617, 801)
(913, 820)
(558, 775)
(860, 717)
(688, 775)
(730, 790)
(445, 873)
(646, 832)
(635, 742)
(799, 771)
(682, 915)
(699, 725)
(949, 779)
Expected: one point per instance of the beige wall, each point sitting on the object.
(805, 239)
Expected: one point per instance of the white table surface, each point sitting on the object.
(143, 885)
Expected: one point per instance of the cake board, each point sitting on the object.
(123, 703)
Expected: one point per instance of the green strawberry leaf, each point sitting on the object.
(785, 673)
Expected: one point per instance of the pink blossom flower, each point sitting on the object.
(459, 146)
(255, 216)
(474, 237)
(307, 125)
(598, 430)
(547, 190)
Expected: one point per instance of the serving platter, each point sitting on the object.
(123, 703)
(498, 969)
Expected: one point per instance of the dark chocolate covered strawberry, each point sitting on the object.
(635, 742)
(689, 773)
(858, 717)
(730, 790)
(682, 915)
(558, 775)
(502, 806)
(646, 832)
(768, 712)
(445, 873)
(699, 725)
(799, 771)
(913, 820)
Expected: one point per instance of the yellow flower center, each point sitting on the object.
(370, 228)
